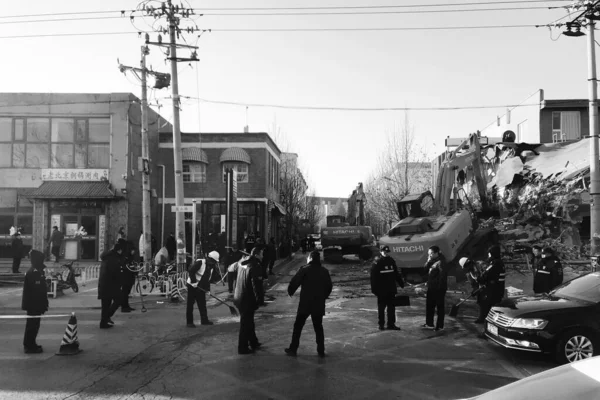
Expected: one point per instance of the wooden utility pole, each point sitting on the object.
(145, 167)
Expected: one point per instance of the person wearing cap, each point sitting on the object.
(549, 272)
(109, 283)
(384, 277)
(247, 297)
(472, 272)
(198, 284)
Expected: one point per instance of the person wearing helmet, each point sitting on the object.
(198, 284)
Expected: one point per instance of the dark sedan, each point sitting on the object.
(565, 322)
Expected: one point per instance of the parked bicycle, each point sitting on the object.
(68, 283)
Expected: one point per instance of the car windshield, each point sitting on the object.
(585, 288)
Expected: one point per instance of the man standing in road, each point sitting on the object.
(437, 285)
(109, 283)
(248, 295)
(384, 276)
(35, 300)
(198, 284)
(316, 288)
(17, 252)
(55, 243)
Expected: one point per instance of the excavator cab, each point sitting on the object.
(336, 220)
(415, 205)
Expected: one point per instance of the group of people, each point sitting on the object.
(307, 243)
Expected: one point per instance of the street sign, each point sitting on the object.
(182, 208)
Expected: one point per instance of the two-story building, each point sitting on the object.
(205, 157)
(71, 161)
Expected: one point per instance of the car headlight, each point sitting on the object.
(529, 323)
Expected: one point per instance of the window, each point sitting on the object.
(241, 168)
(566, 125)
(55, 142)
(194, 172)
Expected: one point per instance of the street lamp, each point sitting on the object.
(574, 30)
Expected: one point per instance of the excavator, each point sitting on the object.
(427, 220)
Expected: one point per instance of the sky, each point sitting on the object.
(411, 68)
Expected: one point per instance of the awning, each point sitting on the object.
(235, 154)
(278, 209)
(72, 190)
(194, 154)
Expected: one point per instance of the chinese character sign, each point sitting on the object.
(82, 175)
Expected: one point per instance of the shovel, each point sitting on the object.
(232, 309)
(454, 309)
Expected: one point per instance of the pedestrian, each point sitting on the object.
(473, 272)
(269, 257)
(171, 245)
(128, 277)
(198, 284)
(55, 243)
(437, 285)
(35, 301)
(141, 246)
(304, 244)
(161, 260)
(316, 288)
(17, 252)
(109, 283)
(549, 272)
(247, 297)
(384, 277)
(493, 278)
(232, 265)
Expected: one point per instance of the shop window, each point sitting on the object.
(80, 156)
(19, 129)
(62, 156)
(241, 168)
(25, 224)
(18, 155)
(99, 130)
(38, 129)
(36, 156)
(5, 130)
(98, 156)
(89, 224)
(62, 130)
(194, 172)
(6, 221)
(5, 159)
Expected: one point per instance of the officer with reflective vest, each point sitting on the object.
(493, 277)
(548, 273)
(384, 276)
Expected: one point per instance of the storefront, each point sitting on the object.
(15, 211)
(251, 219)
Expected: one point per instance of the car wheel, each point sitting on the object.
(575, 345)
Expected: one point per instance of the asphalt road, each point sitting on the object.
(153, 355)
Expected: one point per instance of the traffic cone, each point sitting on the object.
(70, 345)
(174, 295)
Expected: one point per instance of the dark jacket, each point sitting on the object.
(201, 275)
(270, 252)
(384, 276)
(493, 277)
(548, 275)
(35, 291)
(249, 243)
(110, 279)
(171, 245)
(17, 247)
(316, 288)
(437, 278)
(248, 294)
(56, 238)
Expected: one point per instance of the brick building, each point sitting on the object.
(71, 160)
(205, 157)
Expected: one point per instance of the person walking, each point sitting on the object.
(437, 285)
(198, 284)
(316, 288)
(17, 252)
(128, 278)
(248, 295)
(55, 243)
(493, 277)
(109, 283)
(171, 245)
(269, 257)
(548, 272)
(384, 277)
(35, 301)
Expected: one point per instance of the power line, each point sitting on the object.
(324, 108)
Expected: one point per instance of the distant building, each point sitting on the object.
(330, 206)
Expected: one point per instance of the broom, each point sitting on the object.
(232, 309)
(454, 309)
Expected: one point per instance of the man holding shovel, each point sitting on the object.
(198, 284)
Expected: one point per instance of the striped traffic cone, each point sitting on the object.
(70, 345)
(174, 295)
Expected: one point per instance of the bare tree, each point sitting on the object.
(292, 195)
(312, 210)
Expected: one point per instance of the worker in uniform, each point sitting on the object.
(473, 272)
(248, 296)
(549, 272)
(437, 285)
(198, 284)
(493, 277)
(384, 277)
(35, 301)
(536, 259)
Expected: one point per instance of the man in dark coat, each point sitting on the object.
(248, 295)
(171, 245)
(269, 257)
(109, 283)
(17, 252)
(548, 272)
(493, 277)
(437, 285)
(316, 288)
(128, 278)
(198, 284)
(35, 300)
(249, 242)
(55, 243)
(384, 276)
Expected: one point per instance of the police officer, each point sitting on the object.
(493, 277)
(35, 300)
(549, 272)
(384, 276)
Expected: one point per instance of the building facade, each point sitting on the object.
(205, 157)
(71, 161)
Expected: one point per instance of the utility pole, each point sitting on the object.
(146, 223)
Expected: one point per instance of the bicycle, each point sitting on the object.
(68, 283)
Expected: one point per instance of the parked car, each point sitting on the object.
(565, 322)
(579, 380)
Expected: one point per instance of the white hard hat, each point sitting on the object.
(214, 255)
(463, 261)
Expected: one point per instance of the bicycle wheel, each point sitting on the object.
(144, 285)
